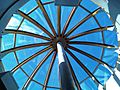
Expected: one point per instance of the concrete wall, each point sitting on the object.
(7, 8)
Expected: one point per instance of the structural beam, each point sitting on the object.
(66, 80)
(59, 20)
(91, 44)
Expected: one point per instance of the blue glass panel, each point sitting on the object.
(25, 53)
(52, 13)
(54, 77)
(52, 89)
(7, 41)
(111, 38)
(28, 6)
(90, 23)
(102, 74)
(88, 62)
(110, 56)
(79, 15)
(43, 1)
(20, 78)
(25, 40)
(34, 86)
(65, 12)
(79, 71)
(105, 21)
(89, 5)
(38, 16)
(89, 84)
(14, 22)
(93, 37)
(29, 27)
(41, 74)
(92, 50)
(31, 65)
(9, 61)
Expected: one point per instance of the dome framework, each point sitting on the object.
(52, 38)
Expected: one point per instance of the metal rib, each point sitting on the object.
(35, 23)
(15, 37)
(32, 10)
(73, 74)
(90, 31)
(92, 44)
(30, 58)
(90, 56)
(59, 20)
(46, 16)
(24, 47)
(36, 70)
(49, 71)
(82, 21)
(68, 21)
(25, 33)
(3, 53)
(85, 8)
(45, 3)
(83, 66)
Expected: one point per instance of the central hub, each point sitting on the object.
(59, 39)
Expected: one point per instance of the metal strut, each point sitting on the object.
(66, 79)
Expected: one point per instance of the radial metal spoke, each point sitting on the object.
(59, 20)
(3, 53)
(69, 19)
(90, 56)
(46, 16)
(35, 23)
(90, 31)
(91, 43)
(32, 10)
(82, 21)
(85, 8)
(25, 33)
(83, 66)
(36, 70)
(73, 74)
(30, 58)
(49, 71)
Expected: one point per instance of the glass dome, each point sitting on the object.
(29, 44)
